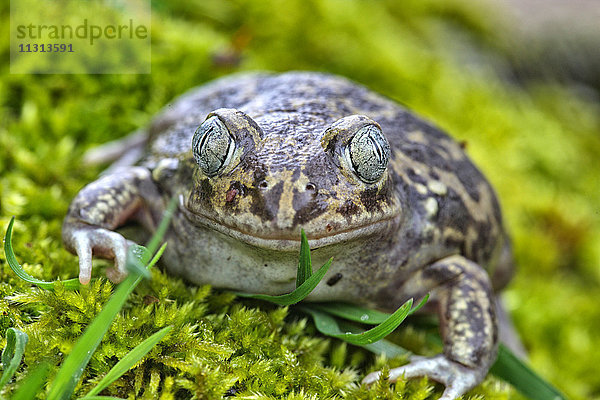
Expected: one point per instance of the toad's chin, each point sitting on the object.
(285, 242)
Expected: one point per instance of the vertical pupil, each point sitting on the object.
(204, 138)
(212, 146)
(377, 148)
(369, 153)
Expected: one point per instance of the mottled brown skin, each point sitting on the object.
(430, 224)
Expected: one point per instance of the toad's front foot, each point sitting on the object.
(457, 378)
(103, 206)
(85, 241)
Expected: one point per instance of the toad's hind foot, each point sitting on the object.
(463, 295)
(457, 378)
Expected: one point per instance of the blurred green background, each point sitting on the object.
(526, 102)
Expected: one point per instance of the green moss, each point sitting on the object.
(538, 144)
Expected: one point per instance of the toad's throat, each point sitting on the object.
(288, 243)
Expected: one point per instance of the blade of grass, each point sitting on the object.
(33, 383)
(160, 231)
(387, 348)
(381, 347)
(157, 256)
(12, 354)
(134, 261)
(304, 262)
(329, 326)
(20, 272)
(514, 371)
(128, 361)
(72, 368)
(352, 312)
(298, 294)
(68, 375)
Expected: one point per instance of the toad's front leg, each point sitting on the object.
(461, 289)
(102, 206)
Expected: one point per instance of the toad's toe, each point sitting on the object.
(457, 378)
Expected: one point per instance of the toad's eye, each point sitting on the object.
(368, 153)
(213, 146)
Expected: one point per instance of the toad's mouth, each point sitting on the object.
(288, 243)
